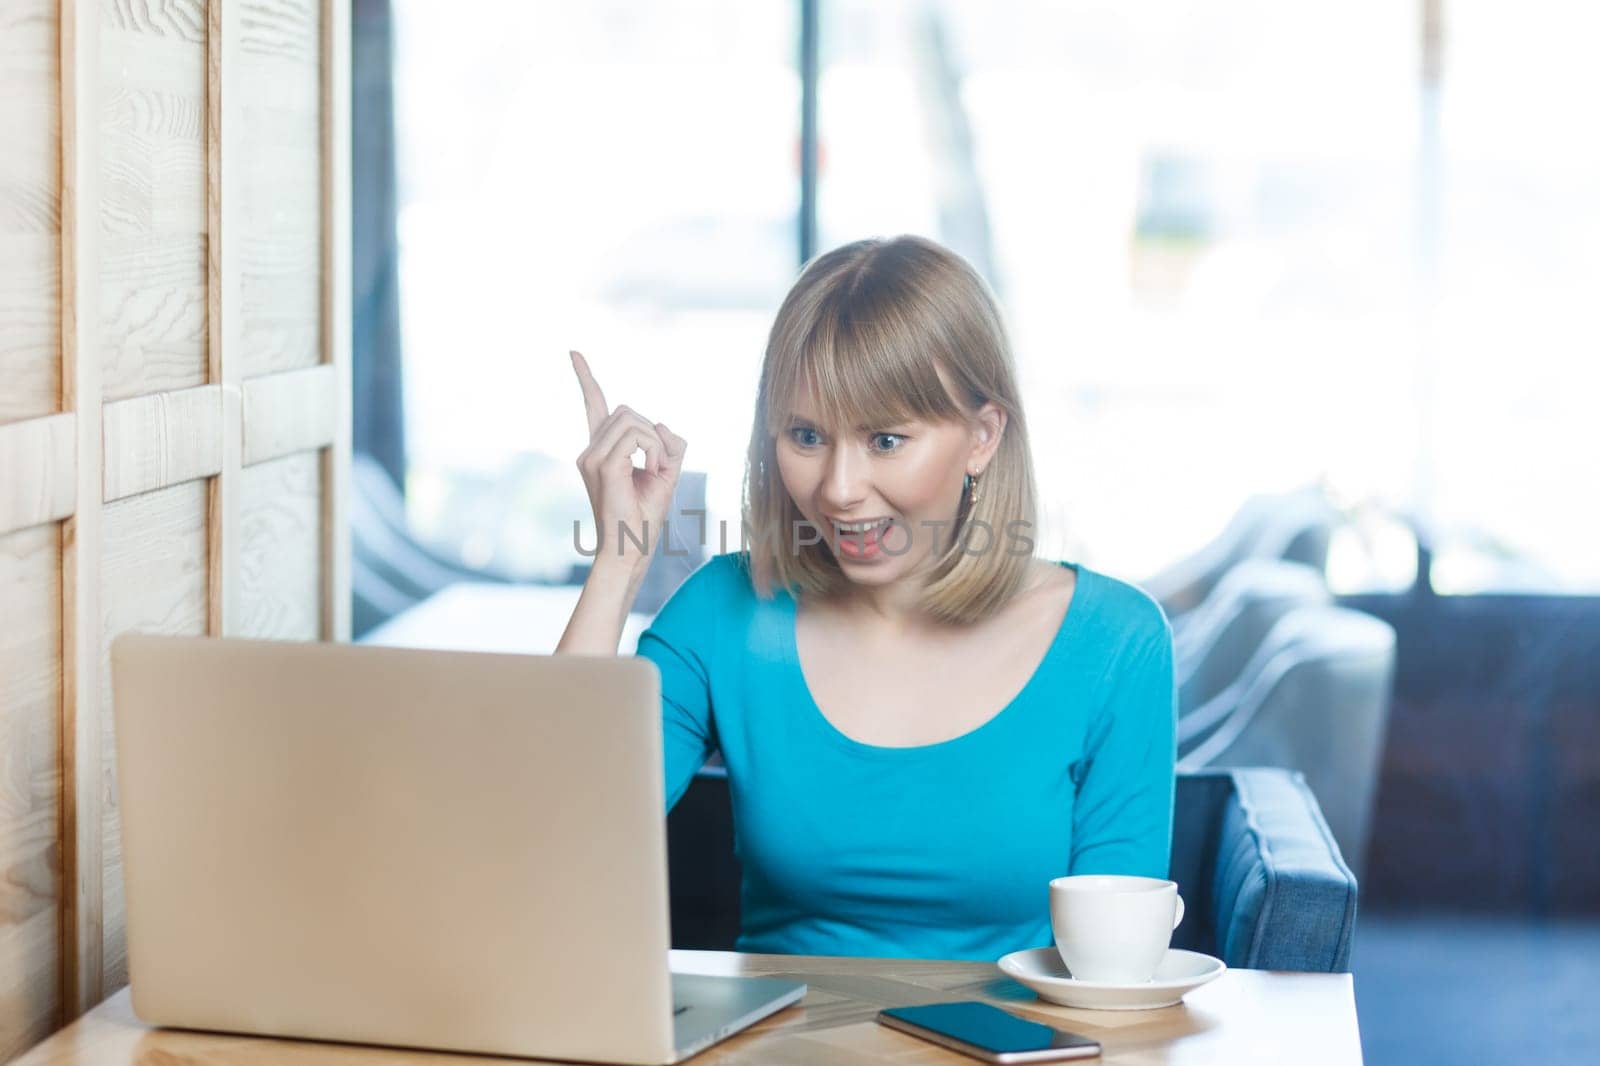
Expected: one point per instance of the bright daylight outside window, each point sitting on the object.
(622, 179)
(1199, 223)
(1209, 226)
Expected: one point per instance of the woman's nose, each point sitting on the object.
(844, 480)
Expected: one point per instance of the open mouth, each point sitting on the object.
(869, 526)
(859, 540)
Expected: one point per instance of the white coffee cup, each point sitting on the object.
(1113, 929)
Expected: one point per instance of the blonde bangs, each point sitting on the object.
(862, 376)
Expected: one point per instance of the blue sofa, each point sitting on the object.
(1261, 876)
(1263, 883)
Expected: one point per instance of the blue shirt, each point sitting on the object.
(941, 851)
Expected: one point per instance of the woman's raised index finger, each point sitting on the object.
(594, 401)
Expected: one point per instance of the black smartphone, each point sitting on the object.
(989, 1033)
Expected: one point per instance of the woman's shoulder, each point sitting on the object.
(714, 610)
(1125, 613)
(718, 585)
(727, 573)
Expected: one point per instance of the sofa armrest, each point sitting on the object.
(1282, 896)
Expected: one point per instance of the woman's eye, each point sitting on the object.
(803, 436)
(879, 438)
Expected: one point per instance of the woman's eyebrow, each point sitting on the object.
(796, 418)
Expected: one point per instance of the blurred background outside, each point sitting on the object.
(1242, 246)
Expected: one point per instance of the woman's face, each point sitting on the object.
(910, 474)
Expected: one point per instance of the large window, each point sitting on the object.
(619, 178)
(1510, 348)
(1199, 221)
(1242, 245)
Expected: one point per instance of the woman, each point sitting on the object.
(920, 732)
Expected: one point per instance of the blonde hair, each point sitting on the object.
(868, 328)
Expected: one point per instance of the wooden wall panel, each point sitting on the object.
(153, 195)
(153, 571)
(30, 209)
(30, 489)
(174, 230)
(81, 364)
(280, 548)
(165, 438)
(39, 458)
(30, 786)
(279, 82)
(296, 411)
(337, 313)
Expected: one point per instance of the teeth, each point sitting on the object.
(862, 527)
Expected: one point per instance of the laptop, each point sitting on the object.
(445, 850)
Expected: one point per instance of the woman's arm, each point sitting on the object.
(602, 611)
(682, 641)
(630, 509)
(1122, 820)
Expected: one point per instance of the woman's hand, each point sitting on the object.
(624, 497)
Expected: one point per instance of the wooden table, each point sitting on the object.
(1245, 1016)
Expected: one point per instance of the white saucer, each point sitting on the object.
(1042, 970)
